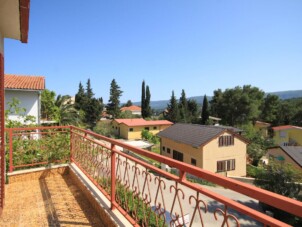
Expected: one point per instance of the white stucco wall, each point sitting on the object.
(30, 100)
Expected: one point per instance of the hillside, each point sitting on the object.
(162, 104)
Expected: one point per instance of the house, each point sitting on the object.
(286, 154)
(26, 89)
(262, 127)
(287, 135)
(209, 147)
(131, 129)
(135, 110)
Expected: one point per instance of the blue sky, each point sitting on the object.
(195, 45)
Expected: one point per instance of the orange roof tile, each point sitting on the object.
(24, 82)
(284, 127)
(142, 122)
(131, 108)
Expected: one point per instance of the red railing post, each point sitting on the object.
(11, 165)
(71, 143)
(113, 179)
(182, 175)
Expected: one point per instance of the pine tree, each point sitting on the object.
(172, 109)
(113, 106)
(89, 93)
(80, 98)
(205, 113)
(148, 111)
(183, 107)
(143, 100)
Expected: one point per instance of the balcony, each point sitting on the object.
(67, 176)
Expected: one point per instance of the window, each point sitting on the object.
(147, 128)
(130, 129)
(168, 150)
(178, 155)
(226, 165)
(226, 141)
(193, 161)
(164, 148)
(154, 127)
(283, 134)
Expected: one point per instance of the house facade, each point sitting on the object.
(287, 135)
(131, 129)
(286, 154)
(211, 148)
(135, 110)
(262, 127)
(27, 90)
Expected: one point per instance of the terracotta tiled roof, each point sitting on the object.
(284, 127)
(131, 108)
(142, 122)
(24, 82)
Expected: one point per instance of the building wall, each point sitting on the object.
(277, 151)
(263, 129)
(124, 132)
(282, 137)
(28, 100)
(206, 157)
(213, 153)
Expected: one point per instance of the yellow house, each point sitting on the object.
(262, 127)
(286, 154)
(131, 129)
(212, 148)
(287, 135)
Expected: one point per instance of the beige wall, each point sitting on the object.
(208, 155)
(294, 134)
(279, 152)
(124, 131)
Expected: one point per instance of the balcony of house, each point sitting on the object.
(67, 176)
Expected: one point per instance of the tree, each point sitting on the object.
(48, 107)
(80, 98)
(172, 109)
(192, 111)
(143, 100)
(285, 180)
(205, 113)
(88, 104)
(128, 103)
(237, 106)
(257, 143)
(113, 106)
(270, 109)
(183, 107)
(66, 114)
(148, 111)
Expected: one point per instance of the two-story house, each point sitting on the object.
(287, 135)
(212, 148)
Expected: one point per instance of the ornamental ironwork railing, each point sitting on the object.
(149, 196)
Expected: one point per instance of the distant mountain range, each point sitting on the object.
(162, 104)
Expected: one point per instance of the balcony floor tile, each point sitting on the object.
(52, 201)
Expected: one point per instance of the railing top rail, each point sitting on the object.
(273, 199)
(37, 127)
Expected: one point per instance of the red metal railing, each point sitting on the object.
(37, 146)
(149, 196)
(2, 124)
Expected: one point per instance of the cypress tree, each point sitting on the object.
(143, 100)
(148, 111)
(183, 107)
(205, 113)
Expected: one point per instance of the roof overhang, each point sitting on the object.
(14, 19)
